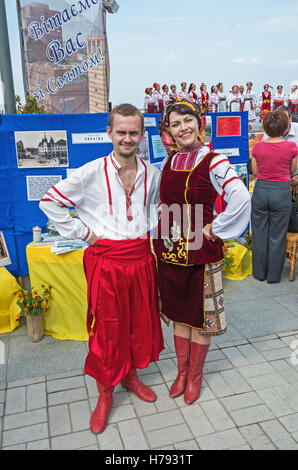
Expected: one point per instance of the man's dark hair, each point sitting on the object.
(125, 109)
(275, 123)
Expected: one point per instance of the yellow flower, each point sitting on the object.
(44, 305)
(48, 296)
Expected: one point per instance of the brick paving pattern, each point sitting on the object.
(249, 400)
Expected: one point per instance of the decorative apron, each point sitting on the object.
(266, 105)
(123, 313)
(181, 261)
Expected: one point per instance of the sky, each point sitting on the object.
(170, 41)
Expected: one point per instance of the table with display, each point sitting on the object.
(65, 273)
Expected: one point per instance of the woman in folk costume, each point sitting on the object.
(183, 92)
(165, 94)
(234, 99)
(188, 242)
(293, 98)
(222, 99)
(192, 96)
(279, 99)
(241, 93)
(265, 101)
(250, 103)
(149, 104)
(158, 99)
(204, 102)
(214, 99)
(173, 93)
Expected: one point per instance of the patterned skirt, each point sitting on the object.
(193, 296)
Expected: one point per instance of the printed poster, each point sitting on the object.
(66, 57)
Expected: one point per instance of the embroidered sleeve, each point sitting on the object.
(233, 221)
(55, 203)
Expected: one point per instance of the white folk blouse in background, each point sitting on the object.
(249, 103)
(97, 193)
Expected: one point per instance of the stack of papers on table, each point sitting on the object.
(64, 246)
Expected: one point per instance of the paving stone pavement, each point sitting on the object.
(249, 398)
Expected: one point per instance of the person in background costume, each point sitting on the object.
(214, 101)
(250, 104)
(116, 198)
(293, 98)
(204, 103)
(173, 94)
(149, 103)
(158, 98)
(192, 96)
(222, 98)
(265, 101)
(234, 99)
(241, 93)
(273, 162)
(279, 99)
(188, 242)
(165, 94)
(183, 92)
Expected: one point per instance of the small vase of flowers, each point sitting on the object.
(33, 307)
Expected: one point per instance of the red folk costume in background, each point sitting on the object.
(266, 104)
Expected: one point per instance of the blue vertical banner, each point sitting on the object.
(66, 54)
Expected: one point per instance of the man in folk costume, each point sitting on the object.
(279, 99)
(293, 98)
(265, 101)
(250, 104)
(234, 99)
(157, 96)
(149, 104)
(115, 197)
(173, 94)
(183, 92)
(165, 94)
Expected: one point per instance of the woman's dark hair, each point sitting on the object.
(183, 109)
(275, 123)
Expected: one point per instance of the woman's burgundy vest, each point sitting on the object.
(190, 193)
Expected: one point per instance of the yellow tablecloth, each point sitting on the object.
(8, 307)
(67, 314)
(242, 263)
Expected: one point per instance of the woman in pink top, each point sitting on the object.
(273, 162)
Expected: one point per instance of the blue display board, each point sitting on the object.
(84, 138)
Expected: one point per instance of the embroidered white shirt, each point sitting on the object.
(97, 193)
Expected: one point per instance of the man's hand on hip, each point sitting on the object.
(93, 239)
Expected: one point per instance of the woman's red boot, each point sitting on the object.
(132, 382)
(182, 353)
(100, 415)
(198, 353)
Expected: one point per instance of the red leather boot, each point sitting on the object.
(100, 415)
(198, 353)
(182, 353)
(132, 382)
